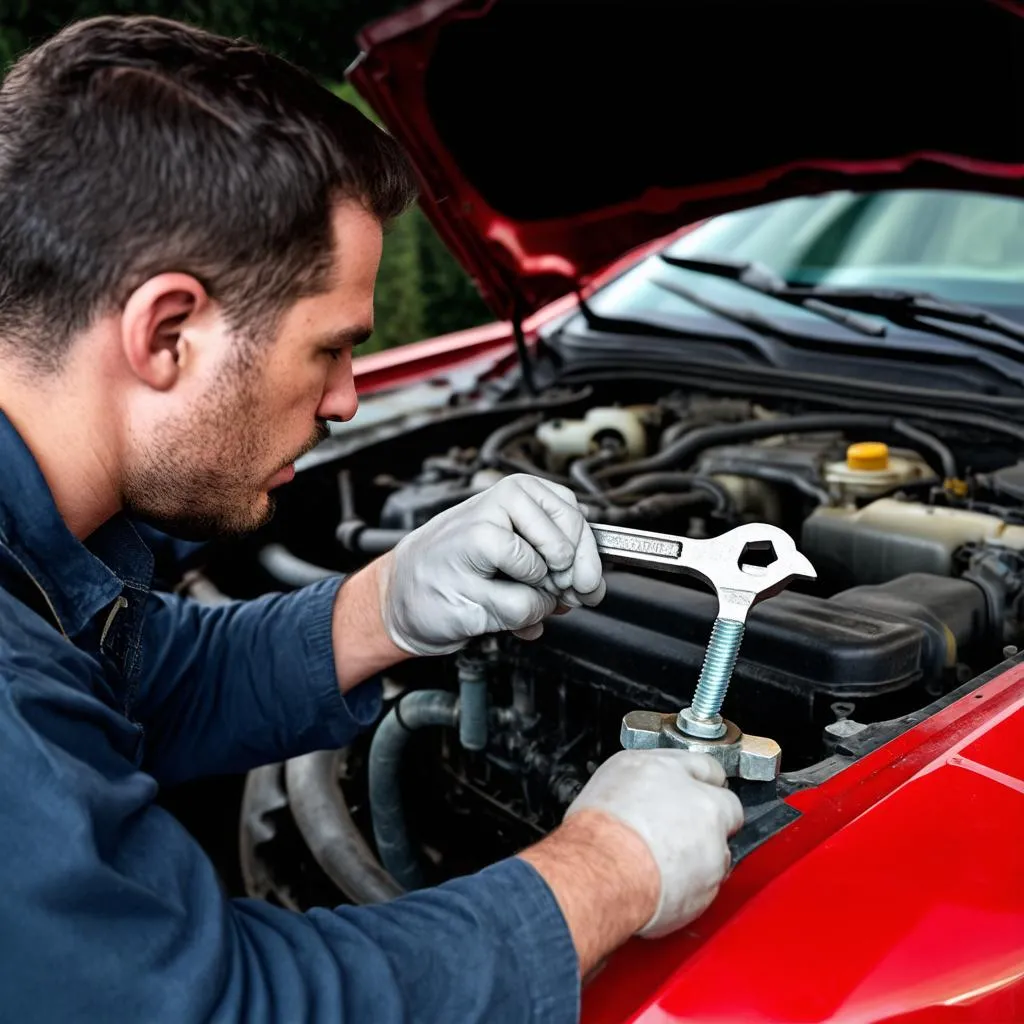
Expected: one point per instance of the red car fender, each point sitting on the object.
(898, 895)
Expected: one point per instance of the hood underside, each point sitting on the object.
(551, 138)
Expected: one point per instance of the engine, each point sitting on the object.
(920, 569)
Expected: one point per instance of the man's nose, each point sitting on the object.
(340, 400)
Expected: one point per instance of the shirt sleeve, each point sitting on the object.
(228, 687)
(114, 913)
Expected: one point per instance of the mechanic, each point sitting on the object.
(190, 231)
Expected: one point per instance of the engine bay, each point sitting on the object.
(913, 527)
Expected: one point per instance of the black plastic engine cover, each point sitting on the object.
(876, 649)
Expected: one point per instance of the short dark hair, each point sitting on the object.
(131, 146)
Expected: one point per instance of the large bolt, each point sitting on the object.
(748, 564)
(702, 718)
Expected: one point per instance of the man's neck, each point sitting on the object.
(59, 423)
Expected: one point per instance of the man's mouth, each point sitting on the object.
(287, 473)
(320, 434)
(282, 476)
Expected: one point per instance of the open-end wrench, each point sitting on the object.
(728, 564)
(718, 561)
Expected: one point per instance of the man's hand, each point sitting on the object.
(501, 560)
(676, 801)
(643, 848)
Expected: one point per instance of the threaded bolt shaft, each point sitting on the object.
(719, 660)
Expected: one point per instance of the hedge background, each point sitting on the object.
(421, 290)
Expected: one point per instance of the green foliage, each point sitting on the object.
(421, 289)
(399, 307)
(319, 34)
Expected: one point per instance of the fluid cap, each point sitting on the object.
(867, 456)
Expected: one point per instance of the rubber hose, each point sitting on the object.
(519, 463)
(372, 541)
(355, 535)
(950, 470)
(581, 469)
(654, 506)
(775, 475)
(202, 589)
(647, 483)
(323, 818)
(687, 447)
(490, 450)
(291, 570)
(416, 710)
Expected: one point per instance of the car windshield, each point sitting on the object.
(958, 246)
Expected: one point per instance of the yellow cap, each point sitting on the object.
(868, 455)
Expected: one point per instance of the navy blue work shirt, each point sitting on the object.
(111, 910)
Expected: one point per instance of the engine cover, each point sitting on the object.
(881, 648)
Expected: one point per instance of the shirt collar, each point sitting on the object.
(79, 579)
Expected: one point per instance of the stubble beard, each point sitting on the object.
(202, 478)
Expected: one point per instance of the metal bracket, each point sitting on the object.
(742, 756)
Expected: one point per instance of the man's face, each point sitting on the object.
(210, 463)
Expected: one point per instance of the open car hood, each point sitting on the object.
(551, 138)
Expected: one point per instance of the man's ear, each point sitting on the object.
(152, 322)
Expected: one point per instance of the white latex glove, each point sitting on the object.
(676, 801)
(502, 560)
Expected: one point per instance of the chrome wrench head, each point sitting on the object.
(718, 561)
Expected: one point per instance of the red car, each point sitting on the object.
(748, 262)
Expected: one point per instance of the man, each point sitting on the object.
(189, 235)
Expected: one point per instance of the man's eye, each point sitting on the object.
(334, 353)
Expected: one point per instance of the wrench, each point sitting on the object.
(717, 561)
(722, 563)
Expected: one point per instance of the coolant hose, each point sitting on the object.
(203, 589)
(322, 817)
(683, 451)
(416, 710)
(654, 506)
(490, 450)
(772, 474)
(355, 535)
(291, 570)
(580, 470)
(671, 481)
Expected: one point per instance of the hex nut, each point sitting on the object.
(700, 728)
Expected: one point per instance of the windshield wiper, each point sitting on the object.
(759, 278)
(909, 308)
(899, 306)
(753, 321)
(649, 328)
